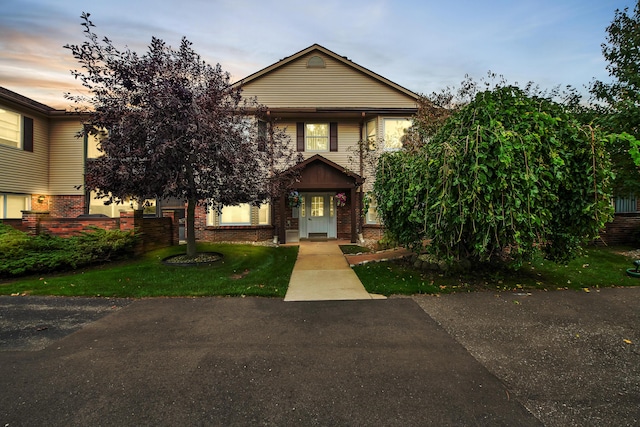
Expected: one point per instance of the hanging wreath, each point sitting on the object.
(294, 199)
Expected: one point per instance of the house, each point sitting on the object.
(41, 160)
(327, 105)
(333, 111)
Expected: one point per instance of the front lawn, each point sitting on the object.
(245, 270)
(597, 267)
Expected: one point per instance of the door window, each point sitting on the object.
(317, 206)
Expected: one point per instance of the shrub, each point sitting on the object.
(24, 254)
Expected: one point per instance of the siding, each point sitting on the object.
(336, 85)
(66, 170)
(23, 171)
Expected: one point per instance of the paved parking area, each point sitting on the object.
(572, 358)
(546, 358)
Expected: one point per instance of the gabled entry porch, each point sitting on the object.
(329, 203)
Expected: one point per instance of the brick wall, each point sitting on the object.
(154, 232)
(157, 233)
(372, 231)
(343, 221)
(244, 233)
(67, 227)
(67, 206)
(624, 230)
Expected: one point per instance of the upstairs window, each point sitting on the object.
(394, 131)
(16, 130)
(372, 132)
(317, 137)
(93, 144)
(315, 62)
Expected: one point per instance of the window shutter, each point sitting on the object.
(27, 134)
(333, 136)
(300, 136)
(262, 135)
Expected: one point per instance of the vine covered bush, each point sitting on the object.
(23, 254)
(506, 175)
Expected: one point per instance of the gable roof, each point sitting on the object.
(332, 174)
(342, 59)
(22, 100)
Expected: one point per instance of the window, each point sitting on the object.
(236, 215)
(372, 131)
(394, 131)
(12, 205)
(626, 204)
(264, 214)
(317, 206)
(331, 206)
(315, 62)
(372, 213)
(10, 124)
(16, 130)
(93, 144)
(97, 206)
(262, 135)
(317, 137)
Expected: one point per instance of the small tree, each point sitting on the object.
(505, 174)
(618, 110)
(176, 127)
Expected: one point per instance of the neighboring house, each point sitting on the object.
(41, 160)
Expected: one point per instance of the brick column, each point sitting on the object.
(31, 221)
(131, 220)
(175, 225)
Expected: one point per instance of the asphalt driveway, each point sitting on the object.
(555, 358)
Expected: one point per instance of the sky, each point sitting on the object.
(422, 45)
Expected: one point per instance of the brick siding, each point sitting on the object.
(624, 230)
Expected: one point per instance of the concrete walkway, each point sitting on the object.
(322, 273)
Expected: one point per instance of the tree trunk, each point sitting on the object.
(191, 228)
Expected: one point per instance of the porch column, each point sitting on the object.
(354, 227)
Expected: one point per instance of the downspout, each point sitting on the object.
(361, 154)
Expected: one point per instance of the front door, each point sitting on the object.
(317, 217)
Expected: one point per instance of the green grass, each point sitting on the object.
(596, 268)
(245, 270)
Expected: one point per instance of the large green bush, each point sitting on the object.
(506, 175)
(24, 254)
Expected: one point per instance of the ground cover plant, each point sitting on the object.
(354, 249)
(24, 254)
(244, 270)
(594, 268)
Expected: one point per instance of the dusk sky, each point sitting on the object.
(421, 45)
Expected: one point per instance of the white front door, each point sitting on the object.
(318, 215)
